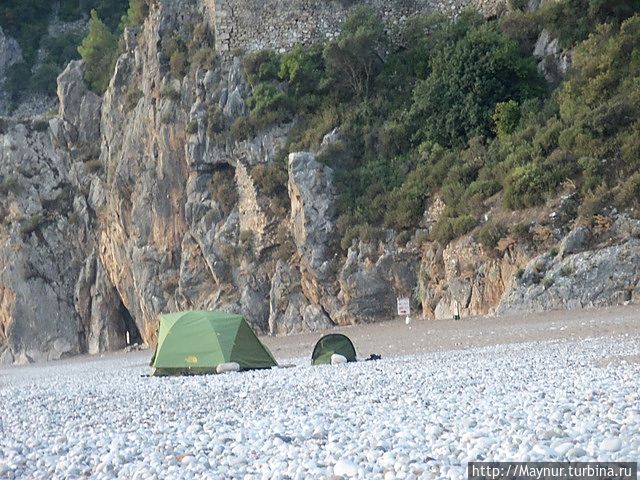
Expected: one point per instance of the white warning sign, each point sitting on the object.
(403, 306)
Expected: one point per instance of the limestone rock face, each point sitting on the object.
(313, 210)
(553, 62)
(598, 277)
(464, 278)
(575, 241)
(100, 310)
(142, 220)
(56, 299)
(79, 107)
(371, 280)
(44, 239)
(290, 311)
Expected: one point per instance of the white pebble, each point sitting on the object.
(344, 468)
(611, 444)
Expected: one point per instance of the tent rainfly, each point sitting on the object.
(198, 341)
(330, 344)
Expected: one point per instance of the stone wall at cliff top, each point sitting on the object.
(280, 24)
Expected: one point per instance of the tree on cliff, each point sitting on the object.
(355, 57)
(137, 12)
(99, 51)
(468, 78)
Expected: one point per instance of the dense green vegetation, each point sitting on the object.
(28, 20)
(99, 50)
(461, 111)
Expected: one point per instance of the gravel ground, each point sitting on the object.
(418, 416)
(394, 338)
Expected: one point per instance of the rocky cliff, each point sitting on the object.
(122, 207)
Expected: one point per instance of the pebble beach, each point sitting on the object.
(418, 416)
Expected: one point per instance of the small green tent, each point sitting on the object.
(330, 344)
(199, 341)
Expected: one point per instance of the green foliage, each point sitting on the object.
(523, 28)
(99, 51)
(308, 132)
(468, 79)
(385, 172)
(110, 11)
(364, 232)
(628, 196)
(137, 12)
(59, 51)
(459, 111)
(204, 57)
(241, 129)
(27, 21)
(595, 202)
(403, 238)
(592, 173)
(506, 117)
(525, 187)
(572, 20)
(592, 135)
(354, 58)
(174, 50)
(188, 54)
(491, 233)
(267, 97)
(44, 78)
(62, 48)
(271, 180)
(216, 123)
(261, 66)
(273, 101)
(448, 228)
(15, 81)
(302, 69)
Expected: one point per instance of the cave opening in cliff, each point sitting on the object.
(130, 327)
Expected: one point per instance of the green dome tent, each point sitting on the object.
(330, 344)
(199, 341)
